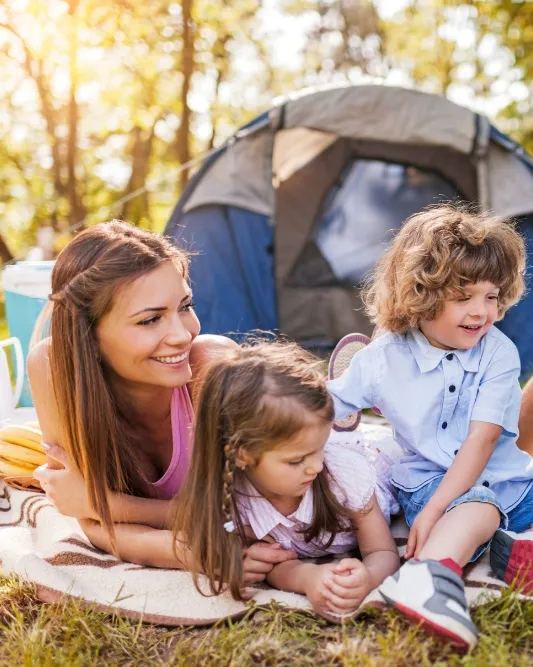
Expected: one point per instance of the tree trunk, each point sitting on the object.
(183, 138)
(5, 253)
(137, 208)
(76, 209)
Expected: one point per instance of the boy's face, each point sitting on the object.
(465, 319)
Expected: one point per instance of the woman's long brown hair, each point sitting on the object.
(254, 400)
(86, 277)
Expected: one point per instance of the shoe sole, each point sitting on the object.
(339, 362)
(511, 559)
(458, 636)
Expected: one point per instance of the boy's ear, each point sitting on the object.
(243, 459)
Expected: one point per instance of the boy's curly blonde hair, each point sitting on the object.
(434, 255)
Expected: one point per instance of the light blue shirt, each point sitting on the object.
(430, 396)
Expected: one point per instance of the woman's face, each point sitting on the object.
(147, 335)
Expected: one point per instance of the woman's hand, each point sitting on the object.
(63, 485)
(260, 558)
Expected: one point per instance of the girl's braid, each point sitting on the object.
(227, 486)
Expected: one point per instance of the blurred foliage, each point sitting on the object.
(103, 99)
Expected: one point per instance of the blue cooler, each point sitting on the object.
(26, 288)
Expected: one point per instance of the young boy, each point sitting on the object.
(447, 381)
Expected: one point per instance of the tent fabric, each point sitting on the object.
(241, 177)
(232, 270)
(253, 209)
(518, 321)
(404, 120)
(385, 113)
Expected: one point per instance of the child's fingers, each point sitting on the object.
(248, 593)
(344, 592)
(411, 544)
(341, 606)
(347, 565)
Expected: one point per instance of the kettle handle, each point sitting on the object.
(19, 357)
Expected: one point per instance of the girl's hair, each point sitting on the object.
(434, 255)
(86, 278)
(254, 400)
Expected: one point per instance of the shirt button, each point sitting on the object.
(455, 453)
(452, 388)
(449, 357)
(444, 424)
(485, 483)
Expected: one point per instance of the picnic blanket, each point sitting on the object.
(42, 546)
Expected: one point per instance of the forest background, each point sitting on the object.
(103, 101)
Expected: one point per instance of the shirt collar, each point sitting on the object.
(429, 357)
(264, 517)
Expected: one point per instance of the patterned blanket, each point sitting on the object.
(42, 546)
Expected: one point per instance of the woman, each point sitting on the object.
(112, 392)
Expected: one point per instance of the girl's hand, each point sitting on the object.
(348, 586)
(317, 588)
(421, 529)
(260, 558)
(64, 486)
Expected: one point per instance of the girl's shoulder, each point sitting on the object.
(350, 465)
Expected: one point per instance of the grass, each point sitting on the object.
(33, 634)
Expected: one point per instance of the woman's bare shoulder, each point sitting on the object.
(38, 362)
(207, 347)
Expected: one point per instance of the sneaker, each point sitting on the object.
(342, 355)
(511, 558)
(431, 594)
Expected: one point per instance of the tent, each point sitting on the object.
(291, 213)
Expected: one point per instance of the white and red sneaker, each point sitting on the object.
(432, 595)
(511, 558)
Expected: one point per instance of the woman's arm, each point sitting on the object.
(59, 478)
(154, 548)
(139, 544)
(67, 491)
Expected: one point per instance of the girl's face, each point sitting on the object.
(289, 470)
(464, 319)
(147, 335)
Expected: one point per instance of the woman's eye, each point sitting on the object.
(150, 320)
(188, 306)
(494, 297)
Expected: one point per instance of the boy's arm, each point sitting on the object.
(525, 423)
(354, 389)
(465, 470)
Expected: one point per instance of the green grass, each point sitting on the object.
(33, 634)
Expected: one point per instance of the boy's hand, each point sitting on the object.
(421, 529)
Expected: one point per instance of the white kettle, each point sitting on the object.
(9, 397)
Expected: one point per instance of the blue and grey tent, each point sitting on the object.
(291, 213)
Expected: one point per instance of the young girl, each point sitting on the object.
(262, 468)
(447, 381)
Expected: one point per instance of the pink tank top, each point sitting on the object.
(182, 418)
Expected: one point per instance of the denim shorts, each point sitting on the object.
(519, 519)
